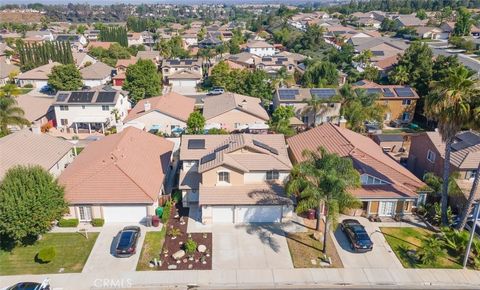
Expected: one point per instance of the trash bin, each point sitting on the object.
(311, 214)
(155, 221)
(159, 211)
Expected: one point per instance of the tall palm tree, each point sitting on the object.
(476, 180)
(10, 114)
(450, 105)
(324, 180)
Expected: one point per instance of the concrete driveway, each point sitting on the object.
(381, 256)
(101, 258)
(250, 246)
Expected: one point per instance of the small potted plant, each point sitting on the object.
(190, 248)
(174, 233)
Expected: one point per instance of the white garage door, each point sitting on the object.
(258, 214)
(222, 214)
(124, 213)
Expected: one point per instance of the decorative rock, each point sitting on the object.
(172, 267)
(178, 254)
(178, 261)
(313, 261)
(318, 236)
(201, 248)
(184, 260)
(151, 265)
(190, 266)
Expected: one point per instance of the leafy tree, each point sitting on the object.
(387, 25)
(142, 80)
(359, 107)
(280, 122)
(450, 105)
(10, 115)
(81, 29)
(195, 123)
(172, 48)
(317, 108)
(399, 76)
(324, 179)
(371, 73)
(220, 75)
(114, 34)
(65, 78)
(442, 66)
(258, 84)
(417, 61)
(463, 23)
(421, 14)
(9, 90)
(30, 200)
(320, 74)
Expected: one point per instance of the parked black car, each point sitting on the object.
(127, 241)
(29, 286)
(359, 239)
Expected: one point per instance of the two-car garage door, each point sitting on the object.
(246, 214)
(124, 213)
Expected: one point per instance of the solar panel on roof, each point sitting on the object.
(372, 91)
(469, 137)
(287, 94)
(265, 146)
(378, 53)
(81, 97)
(404, 92)
(359, 83)
(388, 92)
(207, 158)
(62, 97)
(196, 144)
(278, 62)
(106, 97)
(221, 148)
(460, 145)
(323, 93)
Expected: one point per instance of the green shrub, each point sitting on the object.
(28, 86)
(46, 255)
(68, 223)
(167, 208)
(177, 196)
(98, 222)
(190, 246)
(431, 251)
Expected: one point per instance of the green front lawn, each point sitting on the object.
(152, 246)
(404, 239)
(72, 251)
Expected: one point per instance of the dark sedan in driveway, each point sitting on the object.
(127, 241)
(359, 239)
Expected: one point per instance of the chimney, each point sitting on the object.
(36, 129)
(342, 123)
(147, 106)
(244, 104)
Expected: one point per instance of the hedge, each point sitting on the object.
(166, 212)
(98, 222)
(68, 223)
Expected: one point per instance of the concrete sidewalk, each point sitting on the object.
(428, 278)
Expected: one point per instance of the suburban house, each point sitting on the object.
(38, 77)
(182, 73)
(235, 178)
(234, 112)
(411, 20)
(185, 81)
(135, 38)
(385, 50)
(77, 42)
(38, 36)
(31, 147)
(166, 114)
(272, 64)
(400, 100)
(92, 35)
(111, 180)
(388, 189)
(427, 152)
(245, 59)
(298, 98)
(38, 108)
(5, 70)
(428, 32)
(153, 55)
(260, 48)
(90, 110)
(190, 39)
(96, 74)
(82, 59)
(210, 42)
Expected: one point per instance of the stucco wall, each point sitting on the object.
(210, 178)
(228, 119)
(156, 118)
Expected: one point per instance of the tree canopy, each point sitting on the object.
(30, 200)
(142, 80)
(195, 123)
(65, 78)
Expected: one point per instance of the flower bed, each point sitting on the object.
(175, 239)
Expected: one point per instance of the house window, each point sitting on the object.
(406, 102)
(105, 108)
(305, 119)
(237, 125)
(470, 174)
(273, 175)
(64, 122)
(63, 108)
(224, 176)
(405, 116)
(431, 156)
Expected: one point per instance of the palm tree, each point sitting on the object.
(449, 104)
(399, 76)
(359, 107)
(317, 107)
(324, 180)
(9, 90)
(10, 114)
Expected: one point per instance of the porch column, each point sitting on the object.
(89, 128)
(76, 128)
(103, 129)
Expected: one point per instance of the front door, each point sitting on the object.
(386, 208)
(85, 213)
